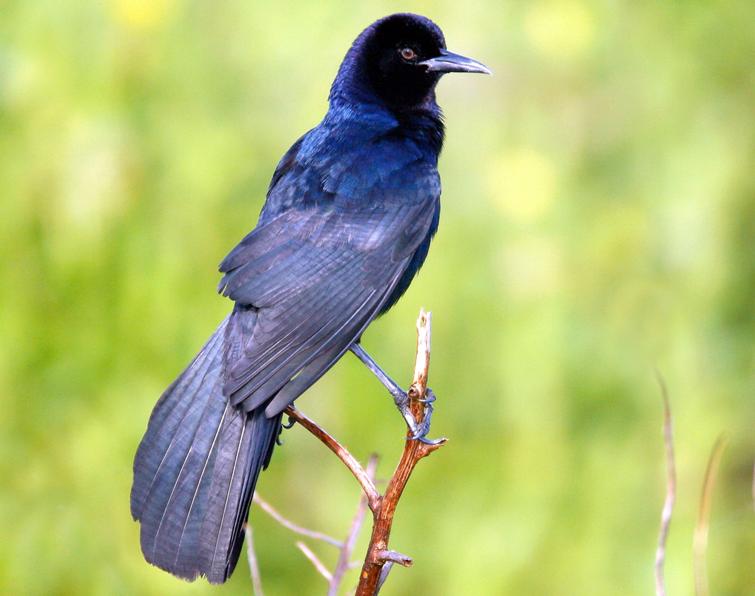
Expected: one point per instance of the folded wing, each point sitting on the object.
(314, 280)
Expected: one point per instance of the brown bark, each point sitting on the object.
(379, 557)
(378, 553)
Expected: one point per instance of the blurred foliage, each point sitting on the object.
(598, 222)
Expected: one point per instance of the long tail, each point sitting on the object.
(195, 471)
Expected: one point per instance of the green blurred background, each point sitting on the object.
(598, 223)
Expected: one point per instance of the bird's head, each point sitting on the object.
(398, 60)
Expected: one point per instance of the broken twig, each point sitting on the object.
(700, 544)
(254, 568)
(668, 505)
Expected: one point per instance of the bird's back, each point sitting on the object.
(363, 159)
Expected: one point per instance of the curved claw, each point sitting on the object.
(289, 424)
(429, 397)
(427, 441)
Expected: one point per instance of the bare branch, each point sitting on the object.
(368, 486)
(422, 360)
(251, 556)
(375, 561)
(700, 545)
(668, 505)
(321, 569)
(347, 549)
(286, 523)
(379, 558)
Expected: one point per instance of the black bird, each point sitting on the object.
(349, 215)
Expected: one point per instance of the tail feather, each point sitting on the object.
(181, 403)
(195, 471)
(235, 475)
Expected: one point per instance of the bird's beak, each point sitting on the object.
(450, 62)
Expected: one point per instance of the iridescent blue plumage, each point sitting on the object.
(348, 220)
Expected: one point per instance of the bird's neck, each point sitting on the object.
(425, 125)
(422, 124)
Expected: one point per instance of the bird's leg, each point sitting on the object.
(400, 398)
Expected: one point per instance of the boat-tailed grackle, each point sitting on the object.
(348, 220)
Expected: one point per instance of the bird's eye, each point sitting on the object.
(408, 54)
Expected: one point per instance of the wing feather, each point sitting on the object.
(315, 280)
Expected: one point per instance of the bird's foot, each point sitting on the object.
(418, 430)
(284, 425)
